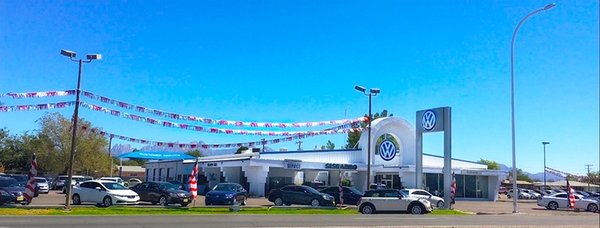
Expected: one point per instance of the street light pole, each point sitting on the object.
(372, 92)
(71, 56)
(545, 143)
(512, 98)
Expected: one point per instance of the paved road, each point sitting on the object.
(230, 221)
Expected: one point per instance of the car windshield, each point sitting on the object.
(114, 186)
(40, 180)
(21, 178)
(168, 186)
(10, 182)
(225, 187)
(312, 190)
(63, 178)
(356, 191)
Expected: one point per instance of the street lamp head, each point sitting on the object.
(549, 6)
(545, 143)
(94, 57)
(70, 54)
(360, 88)
(375, 91)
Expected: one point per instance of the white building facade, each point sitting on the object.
(259, 172)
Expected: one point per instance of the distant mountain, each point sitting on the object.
(534, 176)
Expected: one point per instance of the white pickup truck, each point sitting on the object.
(392, 200)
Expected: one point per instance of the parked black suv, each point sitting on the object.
(300, 194)
(351, 196)
(162, 193)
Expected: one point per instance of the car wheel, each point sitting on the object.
(367, 209)
(278, 201)
(163, 201)
(185, 204)
(314, 203)
(440, 204)
(76, 199)
(592, 207)
(107, 201)
(245, 201)
(553, 205)
(416, 209)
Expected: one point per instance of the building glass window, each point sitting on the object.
(482, 187)
(470, 186)
(460, 185)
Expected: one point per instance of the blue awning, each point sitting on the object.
(156, 155)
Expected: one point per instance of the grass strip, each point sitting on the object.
(121, 210)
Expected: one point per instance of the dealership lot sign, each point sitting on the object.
(435, 120)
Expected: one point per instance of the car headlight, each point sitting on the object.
(183, 194)
(172, 194)
(229, 196)
(326, 197)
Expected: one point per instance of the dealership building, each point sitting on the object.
(393, 164)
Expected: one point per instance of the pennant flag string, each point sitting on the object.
(33, 107)
(40, 94)
(201, 128)
(176, 116)
(206, 146)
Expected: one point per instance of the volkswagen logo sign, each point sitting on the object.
(387, 150)
(429, 120)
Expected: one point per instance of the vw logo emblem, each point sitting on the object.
(429, 120)
(387, 150)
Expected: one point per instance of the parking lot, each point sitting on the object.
(502, 206)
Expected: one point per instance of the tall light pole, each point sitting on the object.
(512, 98)
(89, 58)
(372, 92)
(545, 143)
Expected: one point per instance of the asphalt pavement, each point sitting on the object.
(233, 220)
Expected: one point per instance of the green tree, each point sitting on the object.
(353, 137)
(241, 149)
(54, 145)
(521, 175)
(195, 153)
(490, 164)
(330, 145)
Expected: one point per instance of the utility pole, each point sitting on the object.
(263, 144)
(588, 174)
(110, 154)
(299, 145)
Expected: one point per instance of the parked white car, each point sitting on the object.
(561, 200)
(422, 194)
(42, 185)
(522, 194)
(115, 179)
(392, 200)
(532, 194)
(105, 193)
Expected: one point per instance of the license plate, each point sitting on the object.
(20, 198)
(185, 200)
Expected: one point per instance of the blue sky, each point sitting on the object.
(296, 61)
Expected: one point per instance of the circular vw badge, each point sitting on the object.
(387, 150)
(429, 120)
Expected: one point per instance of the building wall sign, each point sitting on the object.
(212, 164)
(387, 150)
(292, 164)
(340, 166)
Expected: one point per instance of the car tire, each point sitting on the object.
(440, 204)
(367, 209)
(592, 207)
(278, 201)
(76, 199)
(163, 201)
(552, 205)
(315, 203)
(185, 204)
(245, 201)
(416, 209)
(107, 201)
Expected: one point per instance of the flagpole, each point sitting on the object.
(196, 166)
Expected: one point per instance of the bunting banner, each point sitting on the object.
(176, 116)
(207, 146)
(40, 94)
(201, 128)
(34, 107)
(560, 173)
